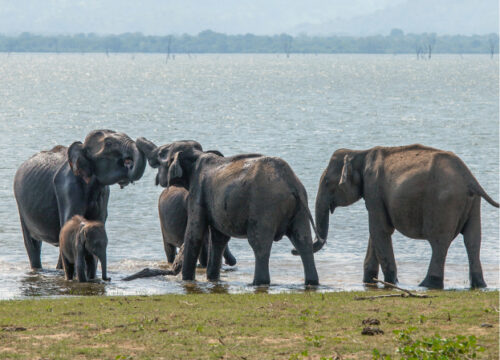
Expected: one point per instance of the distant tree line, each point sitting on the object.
(397, 42)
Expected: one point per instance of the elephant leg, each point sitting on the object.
(300, 236)
(472, 240)
(59, 265)
(91, 266)
(380, 234)
(193, 240)
(371, 265)
(261, 242)
(33, 248)
(218, 243)
(204, 254)
(229, 258)
(80, 266)
(69, 269)
(170, 251)
(435, 274)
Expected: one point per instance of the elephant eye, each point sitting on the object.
(163, 154)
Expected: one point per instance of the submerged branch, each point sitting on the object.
(147, 272)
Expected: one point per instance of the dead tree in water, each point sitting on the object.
(419, 51)
(431, 41)
(169, 44)
(493, 42)
(287, 44)
(147, 272)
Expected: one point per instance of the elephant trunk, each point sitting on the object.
(149, 149)
(102, 259)
(137, 169)
(323, 201)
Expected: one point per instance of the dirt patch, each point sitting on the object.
(58, 336)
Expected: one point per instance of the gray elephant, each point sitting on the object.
(172, 207)
(53, 186)
(81, 243)
(246, 196)
(422, 192)
(172, 204)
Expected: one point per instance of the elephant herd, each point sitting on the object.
(424, 193)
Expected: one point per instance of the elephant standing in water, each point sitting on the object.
(53, 186)
(246, 196)
(172, 204)
(81, 243)
(422, 192)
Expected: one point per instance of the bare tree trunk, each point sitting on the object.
(147, 272)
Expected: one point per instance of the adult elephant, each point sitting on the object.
(246, 196)
(53, 186)
(172, 204)
(422, 192)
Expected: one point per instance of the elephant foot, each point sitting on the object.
(36, 266)
(230, 260)
(261, 282)
(477, 281)
(369, 276)
(432, 282)
(391, 278)
(312, 282)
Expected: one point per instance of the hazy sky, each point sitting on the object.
(229, 16)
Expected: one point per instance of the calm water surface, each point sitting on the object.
(301, 109)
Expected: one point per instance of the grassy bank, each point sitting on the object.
(247, 326)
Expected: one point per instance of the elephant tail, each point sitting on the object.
(477, 189)
(320, 242)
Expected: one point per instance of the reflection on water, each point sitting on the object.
(300, 108)
(52, 283)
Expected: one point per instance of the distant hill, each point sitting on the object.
(261, 17)
(464, 17)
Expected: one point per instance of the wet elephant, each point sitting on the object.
(53, 186)
(172, 204)
(422, 192)
(247, 196)
(81, 244)
(172, 208)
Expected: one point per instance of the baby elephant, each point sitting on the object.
(81, 243)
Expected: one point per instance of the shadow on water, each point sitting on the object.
(53, 283)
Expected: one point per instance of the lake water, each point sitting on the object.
(300, 108)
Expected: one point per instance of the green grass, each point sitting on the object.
(247, 326)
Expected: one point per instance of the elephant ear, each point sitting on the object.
(216, 152)
(79, 162)
(346, 171)
(348, 174)
(150, 150)
(175, 169)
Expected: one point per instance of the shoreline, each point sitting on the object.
(283, 326)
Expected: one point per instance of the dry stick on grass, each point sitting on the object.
(405, 293)
(147, 272)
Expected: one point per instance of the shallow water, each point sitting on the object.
(300, 108)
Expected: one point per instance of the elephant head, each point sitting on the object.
(341, 184)
(168, 158)
(108, 156)
(93, 238)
